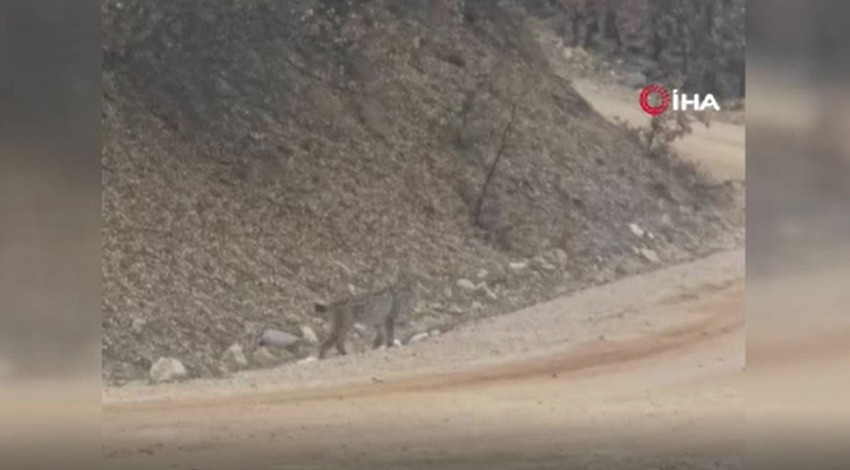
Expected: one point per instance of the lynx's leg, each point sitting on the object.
(379, 338)
(389, 327)
(342, 334)
(328, 342)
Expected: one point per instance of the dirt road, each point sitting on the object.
(718, 149)
(641, 373)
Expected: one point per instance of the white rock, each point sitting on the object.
(234, 358)
(308, 360)
(419, 338)
(650, 255)
(278, 339)
(361, 328)
(397, 343)
(637, 230)
(309, 335)
(466, 284)
(167, 369)
(519, 266)
(485, 290)
(483, 274)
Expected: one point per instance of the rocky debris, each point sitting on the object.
(454, 309)
(466, 285)
(138, 325)
(559, 258)
(309, 335)
(308, 360)
(484, 290)
(167, 369)
(234, 359)
(518, 266)
(540, 263)
(650, 255)
(419, 338)
(278, 339)
(262, 357)
(637, 230)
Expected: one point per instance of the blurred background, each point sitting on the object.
(798, 240)
(49, 232)
(798, 109)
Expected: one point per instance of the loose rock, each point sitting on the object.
(265, 358)
(234, 358)
(167, 369)
(278, 339)
(466, 284)
(650, 255)
(519, 266)
(637, 230)
(419, 338)
(309, 335)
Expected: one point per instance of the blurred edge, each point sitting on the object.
(798, 250)
(49, 233)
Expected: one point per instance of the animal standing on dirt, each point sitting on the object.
(380, 309)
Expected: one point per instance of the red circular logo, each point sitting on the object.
(659, 91)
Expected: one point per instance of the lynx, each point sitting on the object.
(380, 309)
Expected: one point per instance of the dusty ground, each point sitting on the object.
(641, 373)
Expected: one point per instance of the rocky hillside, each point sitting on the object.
(260, 154)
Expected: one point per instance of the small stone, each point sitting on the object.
(278, 339)
(397, 343)
(559, 257)
(167, 369)
(434, 333)
(483, 274)
(485, 290)
(519, 266)
(541, 264)
(466, 284)
(265, 358)
(419, 338)
(650, 255)
(138, 325)
(637, 230)
(309, 335)
(308, 360)
(234, 358)
(361, 328)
